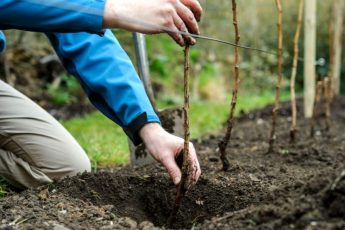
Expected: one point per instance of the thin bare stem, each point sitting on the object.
(293, 129)
(182, 187)
(327, 95)
(280, 76)
(331, 54)
(225, 141)
(185, 166)
(318, 94)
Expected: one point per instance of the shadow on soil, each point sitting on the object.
(150, 198)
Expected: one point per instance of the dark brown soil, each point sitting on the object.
(299, 186)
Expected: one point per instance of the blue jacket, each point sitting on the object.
(88, 52)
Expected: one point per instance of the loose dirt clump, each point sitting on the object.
(298, 186)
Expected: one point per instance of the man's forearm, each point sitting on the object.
(108, 77)
(52, 15)
(148, 16)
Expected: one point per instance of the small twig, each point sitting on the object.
(182, 187)
(316, 107)
(24, 220)
(293, 129)
(15, 221)
(280, 76)
(225, 141)
(337, 180)
(231, 214)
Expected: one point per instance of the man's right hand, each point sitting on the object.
(165, 148)
(150, 16)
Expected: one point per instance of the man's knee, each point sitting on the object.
(80, 166)
(68, 164)
(22, 174)
(30, 134)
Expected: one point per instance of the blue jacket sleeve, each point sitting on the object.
(52, 15)
(2, 42)
(108, 77)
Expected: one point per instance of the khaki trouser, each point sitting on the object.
(34, 147)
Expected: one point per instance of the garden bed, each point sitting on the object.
(294, 187)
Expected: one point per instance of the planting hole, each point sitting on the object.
(150, 198)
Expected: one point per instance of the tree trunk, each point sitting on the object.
(309, 56)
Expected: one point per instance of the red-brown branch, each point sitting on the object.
(182, 187)
(225, 141)
(327, 95)
(280, 76)
(293, 129)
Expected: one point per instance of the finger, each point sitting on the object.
(182, 27)
(195, 7)
(194, 167)
(176, 36)
(188, 18)
(172, 168)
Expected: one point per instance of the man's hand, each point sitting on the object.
(165, 148)
(150, 16)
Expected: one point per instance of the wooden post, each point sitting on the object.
(316, 111)
(337, 42)
(309, 56)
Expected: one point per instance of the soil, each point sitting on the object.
(298, 186)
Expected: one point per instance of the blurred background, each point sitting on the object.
(30, 66)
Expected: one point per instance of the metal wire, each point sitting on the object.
(74, 6)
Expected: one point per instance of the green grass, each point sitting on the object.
(208, 117)
(3, 188)
(104, 141)
(106, 144)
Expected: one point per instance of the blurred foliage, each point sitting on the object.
(212, 62)
(257, 24)
(66, 92)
